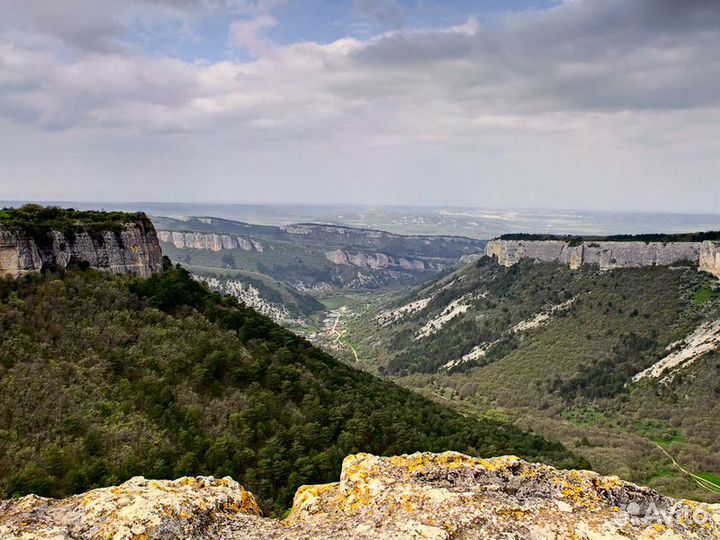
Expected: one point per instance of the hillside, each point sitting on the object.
(281, 302)
(104, 377)
(564, 351)
(320, 259)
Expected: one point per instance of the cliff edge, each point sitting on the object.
(608, 254)
(422, 495)
(35, 238)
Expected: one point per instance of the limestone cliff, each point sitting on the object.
(211, 241)
(422, 495)
(374, 261)
(710, 257)
(133, 248)
(608, 254)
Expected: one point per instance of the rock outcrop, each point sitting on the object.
(138, 509)
(608, 254)
(131, 249)
(374, 261)
(422, 495)
(210, 241)
(710, 257)
(250, 296)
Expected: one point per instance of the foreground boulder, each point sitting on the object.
(138, 509)
(422, 495)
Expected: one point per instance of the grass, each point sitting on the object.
(659, 432)
(705, 294)
(335, 302)
(710, 477)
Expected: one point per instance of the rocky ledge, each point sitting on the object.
(132, 248)
(608, 255)
(422, 495)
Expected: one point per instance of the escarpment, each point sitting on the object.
(210, 241)
(130, 247)
(608, 254)
(375, 261)
(422, 495)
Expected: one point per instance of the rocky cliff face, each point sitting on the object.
(250, 296)
(374, 261)
(608, 255)
(134, 249)
(211, 241)
(437, 496)
(710, 257)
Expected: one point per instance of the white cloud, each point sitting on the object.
(619, 79)
(247, 34)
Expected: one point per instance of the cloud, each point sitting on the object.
(591, 56)
(386, 13)
(584, 77)
(246, 34)
(92, 26)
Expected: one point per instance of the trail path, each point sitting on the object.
(340, 334)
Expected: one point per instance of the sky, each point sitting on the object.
(583, 104)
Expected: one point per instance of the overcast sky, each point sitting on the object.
(588, 104)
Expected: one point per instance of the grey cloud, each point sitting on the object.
(82, 24)
(103, 26)
(387, 13)
(403, 48)
(582, 55)
(589, 56)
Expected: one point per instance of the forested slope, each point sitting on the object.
(562, 351)
(103, 378)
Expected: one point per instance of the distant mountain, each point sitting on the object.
(611, 362)
(473, 222)
(317, 258)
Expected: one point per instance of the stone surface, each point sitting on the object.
(210, 241)
(138, 509)
(710, 257)
(374, 261)
(421, 495)
(608, 255)
(132, 250)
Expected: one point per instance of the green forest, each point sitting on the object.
(575, 240)
(105, 377)
(35, 219)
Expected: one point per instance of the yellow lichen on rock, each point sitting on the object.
(136, 510)
(422, 495)
(403, 497)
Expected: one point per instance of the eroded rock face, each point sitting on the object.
(374, 261)
(451, 495)
(138, 509)
(209, 241)
(422, 495)
(132, 250)
(710, 257)
(608, 255)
